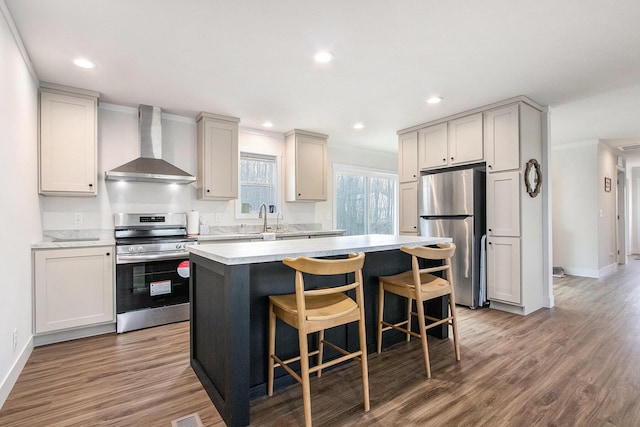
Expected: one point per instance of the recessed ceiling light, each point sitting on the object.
(434, 100)
(267, 124)
(324, 56)
(84, 63)
(358, 126)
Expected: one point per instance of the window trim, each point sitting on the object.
(368, 173)
(278, 183)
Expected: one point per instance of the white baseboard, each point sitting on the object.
(611, 268)
(10, 380)
(72, 334)
(582, 272)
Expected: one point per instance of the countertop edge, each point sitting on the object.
(226, 253)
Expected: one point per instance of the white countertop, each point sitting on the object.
(72, 243)
(267, 251)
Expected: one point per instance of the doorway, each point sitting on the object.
(621, 216)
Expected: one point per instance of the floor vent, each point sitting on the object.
(192, 420)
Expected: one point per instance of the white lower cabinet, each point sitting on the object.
(503, 269)
(73, 287)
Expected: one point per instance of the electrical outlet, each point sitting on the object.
(77, 217)
(218, 217)
(15, 339)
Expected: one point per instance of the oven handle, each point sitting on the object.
(128, 259)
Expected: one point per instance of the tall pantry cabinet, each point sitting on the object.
(503, 137)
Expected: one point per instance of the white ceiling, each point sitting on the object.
(254, 60)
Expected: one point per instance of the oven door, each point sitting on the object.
(151, 284)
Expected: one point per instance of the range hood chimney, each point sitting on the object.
(150, 167)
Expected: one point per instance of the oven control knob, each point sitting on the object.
(140, 249)
(131, 249)
(180, 246)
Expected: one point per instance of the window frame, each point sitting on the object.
(276, 185)
(339, 168)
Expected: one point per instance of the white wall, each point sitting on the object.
(20, 213)
(584, 215)
(574, 178)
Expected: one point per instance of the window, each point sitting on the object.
(258, 182)
(364, 200)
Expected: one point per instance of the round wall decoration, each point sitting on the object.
(533, 177)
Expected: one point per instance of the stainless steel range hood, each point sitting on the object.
(150, 167)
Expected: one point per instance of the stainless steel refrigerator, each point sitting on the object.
(452, 204)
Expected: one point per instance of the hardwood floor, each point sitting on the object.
(577, 364)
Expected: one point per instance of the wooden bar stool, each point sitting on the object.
(419, 285)
(315, 310)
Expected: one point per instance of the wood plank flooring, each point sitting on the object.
(577, 364)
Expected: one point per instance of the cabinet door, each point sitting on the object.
(502, 139)
(503, 204)
(408, 157)
(68, 161)
(311, 168)
(432, 146)
(465, 140)
(408, 198)
(503, 269)
(73, 287)
(218, 160)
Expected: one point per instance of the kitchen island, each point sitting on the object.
(230, 284)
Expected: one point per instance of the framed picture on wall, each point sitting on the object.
(607, 184)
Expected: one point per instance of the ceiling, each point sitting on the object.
(254, 60)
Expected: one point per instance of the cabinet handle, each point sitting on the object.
(299, 194)
(108, 253)
(415, 226)
(90, 185)
(444, 160)
(452, 158)
(490, 166)
(490, 229)
(208, 191)
(490, 243)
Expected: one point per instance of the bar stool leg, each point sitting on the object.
(454, 326)
(304, 375)
(423, 336)
(363, 362)
(272, 349)
(409, 307)
(320, 350)
(380, 313)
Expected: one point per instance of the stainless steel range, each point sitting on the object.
(152, 269)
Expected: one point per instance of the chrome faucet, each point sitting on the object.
(264, 227)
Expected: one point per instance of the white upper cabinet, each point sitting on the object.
(408, 157)
(502, 138)
(305, 166)
(68, 142)
(465, 140)
(433, 146)
(217, 157)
